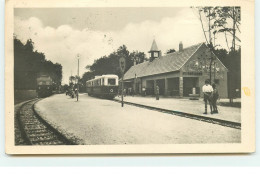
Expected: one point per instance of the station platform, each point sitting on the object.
(94, 121)
(186, 105)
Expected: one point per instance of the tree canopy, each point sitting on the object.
(28, 64)
(225, 21)
(110, 64)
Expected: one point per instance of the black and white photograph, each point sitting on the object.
(130, 79)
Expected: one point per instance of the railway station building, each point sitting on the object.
(178, 74)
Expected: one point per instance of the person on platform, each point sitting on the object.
(215, 97)
(157, 92)
(144, 91)
(124, 92)
(207, 91)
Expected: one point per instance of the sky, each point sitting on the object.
(64, 34)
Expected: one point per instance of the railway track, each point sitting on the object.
(35, 130)
(188, 115)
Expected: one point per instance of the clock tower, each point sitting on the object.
(154, 52)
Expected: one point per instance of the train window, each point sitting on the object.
(111, 81)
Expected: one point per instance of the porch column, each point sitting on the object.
(181, 86)
(165, 86)
(154, 87)
(139, 89)
(134, 85)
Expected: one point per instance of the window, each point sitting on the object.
(155, 54)
(111, 82)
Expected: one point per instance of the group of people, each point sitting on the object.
(72, 91)
(210, 96)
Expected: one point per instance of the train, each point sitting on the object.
(105, 86)
(44, 86)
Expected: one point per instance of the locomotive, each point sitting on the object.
(105, 86)
(44, 86)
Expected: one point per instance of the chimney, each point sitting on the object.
(180, 47)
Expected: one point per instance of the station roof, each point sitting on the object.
(168, 63)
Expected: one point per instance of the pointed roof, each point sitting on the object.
(154, 46)
(168, 63)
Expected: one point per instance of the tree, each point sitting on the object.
(207, 16)
(28, 64)
(72, 79)
(110, 64)
(87, 76)
(137, 57)
(228, 21)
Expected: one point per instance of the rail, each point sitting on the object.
(35, 130)
(221, 122)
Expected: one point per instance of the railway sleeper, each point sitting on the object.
(41, 135)
(41, 139)
(29, 124)
(36, 126)
(35, 129)
(50, 143)
(38, 132)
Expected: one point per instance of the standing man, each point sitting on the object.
(207, 91)
(144, 91)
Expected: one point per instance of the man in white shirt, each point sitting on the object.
(207, 91)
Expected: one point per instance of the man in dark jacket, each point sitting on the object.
(207, 91)
(215, 97)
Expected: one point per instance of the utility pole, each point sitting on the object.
(122, 65)
(78, 80)
(122, 95)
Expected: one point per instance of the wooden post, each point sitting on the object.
(122, 92)
(78, 83)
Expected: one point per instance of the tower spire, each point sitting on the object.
(154, 46)
(154, 51)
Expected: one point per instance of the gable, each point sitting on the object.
(200, 61)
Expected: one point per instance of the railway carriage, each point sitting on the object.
(105, 86)
(44, 86)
